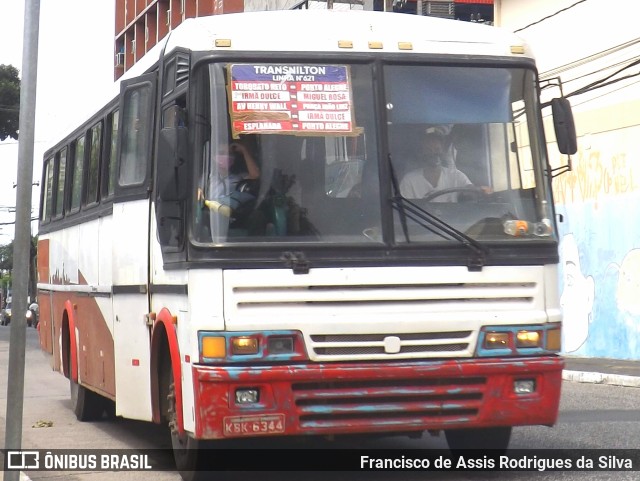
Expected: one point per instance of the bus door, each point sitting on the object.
(131, 249)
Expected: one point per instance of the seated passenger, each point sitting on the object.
(224, 185)
(432, 176)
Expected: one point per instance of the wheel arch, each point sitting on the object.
(165, 354)
(68, 342)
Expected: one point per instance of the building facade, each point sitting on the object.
(592, 50)
(141, 24)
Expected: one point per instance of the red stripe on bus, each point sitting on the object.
(165, 317)
(73, 348)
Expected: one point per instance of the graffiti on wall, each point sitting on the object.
(594, 177)
(599, 201)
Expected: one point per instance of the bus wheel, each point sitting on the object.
(87, 405)
(188, 452)
(496, 439)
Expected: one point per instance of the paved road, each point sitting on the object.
(46, 400)
(592, 416)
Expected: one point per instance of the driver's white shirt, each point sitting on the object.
(414, 184)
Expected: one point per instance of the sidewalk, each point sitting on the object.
(602, 371)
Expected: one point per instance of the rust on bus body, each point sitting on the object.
(341, 398)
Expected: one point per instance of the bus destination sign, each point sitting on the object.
(296, 98)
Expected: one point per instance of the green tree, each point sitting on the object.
(6, 266)
(6, 257)
(9, 102)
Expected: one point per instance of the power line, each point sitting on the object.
(577, 63)
(607, 80)
(603, 69)
(607, 93)
(12, 223)
(549, 16)
(15, 142)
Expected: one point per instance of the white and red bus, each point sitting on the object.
(311, 296)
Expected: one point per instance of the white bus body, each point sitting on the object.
(320, 300)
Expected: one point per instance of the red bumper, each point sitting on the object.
(340, 398)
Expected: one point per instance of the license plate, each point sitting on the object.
(253, 425)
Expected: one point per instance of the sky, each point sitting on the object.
(75, 73)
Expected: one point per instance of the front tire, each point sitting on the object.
(479, 439)
(188, 452)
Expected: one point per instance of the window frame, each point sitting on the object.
(71, 209)
(95, 200)
(141, 189)
(45, 202)
(109, 156)
(63, 194)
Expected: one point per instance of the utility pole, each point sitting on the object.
(22, 239)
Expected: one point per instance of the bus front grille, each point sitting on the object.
(409, 343)
(394, 404)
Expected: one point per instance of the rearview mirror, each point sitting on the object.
(564, 126)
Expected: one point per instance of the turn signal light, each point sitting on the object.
(554, 339)
(214, 347)
(270, 346)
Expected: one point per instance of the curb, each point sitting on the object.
(601, 378)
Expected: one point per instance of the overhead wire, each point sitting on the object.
(590, 58)
(577, 63)
(604, 94)
(606, 80)
(603, 69)
(550, 16)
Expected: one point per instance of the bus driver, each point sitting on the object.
(433, 176)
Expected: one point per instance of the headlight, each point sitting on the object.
(519, 340)
(251, 346)
(528, 339)
(496, 340)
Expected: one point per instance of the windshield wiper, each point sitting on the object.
(432, 223)
(396, 193)
(441, 228)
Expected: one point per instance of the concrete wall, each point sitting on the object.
(581, 43)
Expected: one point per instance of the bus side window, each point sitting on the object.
(135, 129)
(60, 183)
(47, 195)
(77, 174)
(93, 169)
(111, 140)
(173, 116)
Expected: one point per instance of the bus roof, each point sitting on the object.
(335, 31)
(327, 31)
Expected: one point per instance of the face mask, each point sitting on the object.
(224, 160)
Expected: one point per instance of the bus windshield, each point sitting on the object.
(299, 153)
